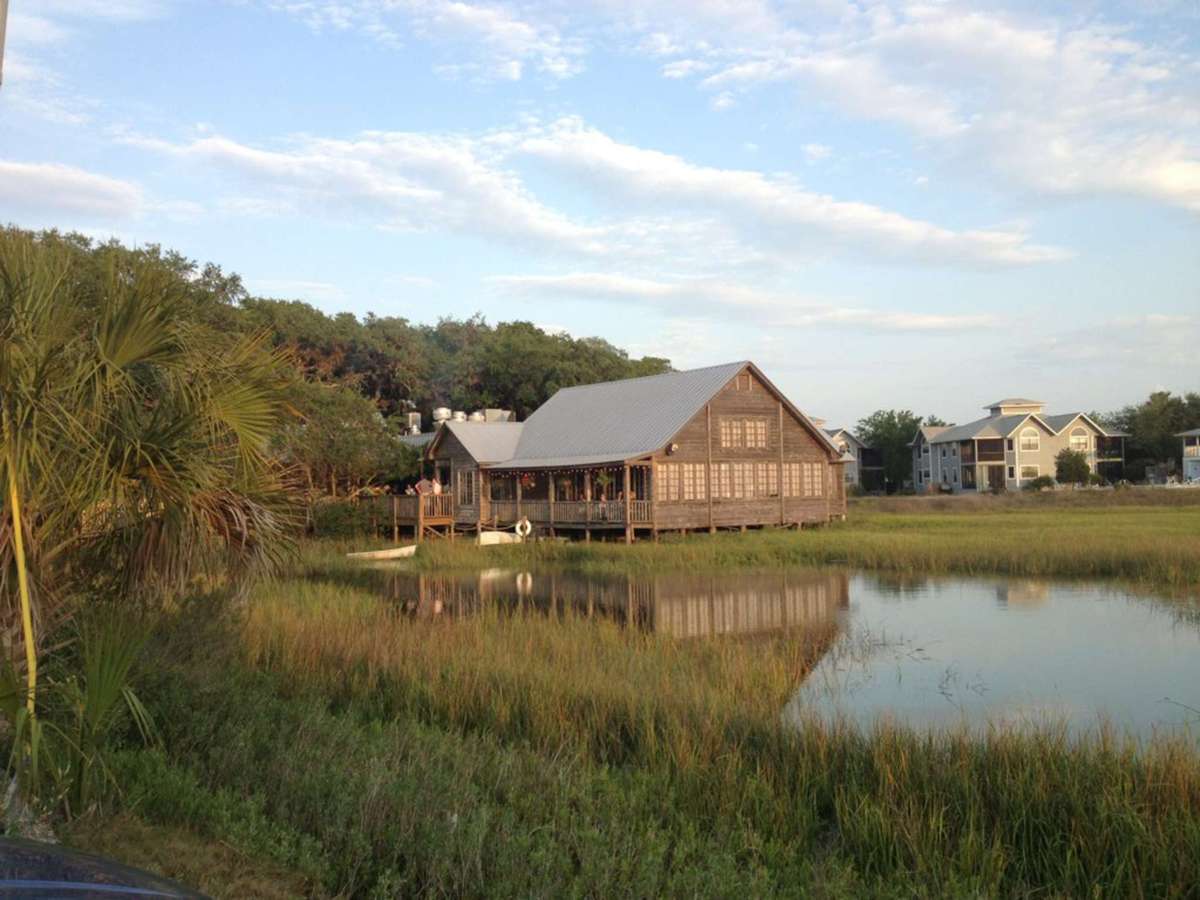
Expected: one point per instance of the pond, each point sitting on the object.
(928, 653)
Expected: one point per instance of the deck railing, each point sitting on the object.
(570, 512)
(436, 506)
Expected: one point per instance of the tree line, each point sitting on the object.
(348, 381)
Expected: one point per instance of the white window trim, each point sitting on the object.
(1037, 438)
(1037, 472)
(1080, 431)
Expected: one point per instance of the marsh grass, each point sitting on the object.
(1157, 545)
(590, 737)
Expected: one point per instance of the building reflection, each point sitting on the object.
(682, 606)
(1022, 594)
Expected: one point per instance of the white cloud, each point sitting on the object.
(397, 180)
(816, 152)
(53, 189)
(1073, 107)
(1168, 340)
(767, 209)
(486, 40)
(733, 302)
(29, 29)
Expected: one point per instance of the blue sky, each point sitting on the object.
(910, 205)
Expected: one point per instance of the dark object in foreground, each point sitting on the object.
(33, 870)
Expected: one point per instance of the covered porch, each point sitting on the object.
(603, 498)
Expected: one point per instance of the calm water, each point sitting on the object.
(927, 652)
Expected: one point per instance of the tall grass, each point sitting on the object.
(562, 725)
(1155, 545)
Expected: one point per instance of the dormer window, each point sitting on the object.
(1031, 439)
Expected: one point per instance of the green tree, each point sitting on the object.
(890, 431)
(1071, 467)
(133, 436)
(1153, 424)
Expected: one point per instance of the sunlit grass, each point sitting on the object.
(1153, 544)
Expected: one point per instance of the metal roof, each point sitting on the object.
(487, 442)
(1003, 426)
(1195, 432)
(418, 440)
(1015, 401)
(619, 420)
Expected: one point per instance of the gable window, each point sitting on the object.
(1031, 439)
(744, 382)
(1079, 440)
(736, 434)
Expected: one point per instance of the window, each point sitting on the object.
(719, 480)
(954, 475)
(792, 479)
(766, 480)
(743, 480)
(1030, 472)
(756, 433)
(738, 433)
(466, 486)
(926, 475)
(744, 382)
(943, 453)
(1012, 471)
(1079, 440)
(1010, 444)
(668, 481)
(954, 449)
(925, 450)
(1031, 439)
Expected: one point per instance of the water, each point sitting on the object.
(927, 653)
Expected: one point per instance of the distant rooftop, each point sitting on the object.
(1015, 401)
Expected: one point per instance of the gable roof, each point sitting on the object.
(418, 441)
(487, 442)
(1003, 426)
(834, 432)
(616, 421)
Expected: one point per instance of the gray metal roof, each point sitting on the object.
(1003, 426)
(1195, 432)
(1015, 401)
(619, 420)
(616, 420)
(487, 442)
(418, 441)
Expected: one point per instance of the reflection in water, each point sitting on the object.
(678, 605)
(976, 652)
(924, 652)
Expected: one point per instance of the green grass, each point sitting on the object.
(1158, 545)
(523, 756)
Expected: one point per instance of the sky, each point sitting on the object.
(926, 206)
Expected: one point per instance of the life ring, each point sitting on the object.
(523, 528)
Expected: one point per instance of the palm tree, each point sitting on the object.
(133, 438)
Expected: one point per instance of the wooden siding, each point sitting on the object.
(700, 442)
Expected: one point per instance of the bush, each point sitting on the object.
(1071, 467)
(340, 518)
(1041, 483)
(1098, 480)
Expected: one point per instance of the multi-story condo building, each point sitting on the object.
(863, 466)
(1191, 454)
(1014, 444)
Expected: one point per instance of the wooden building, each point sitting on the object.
(718, 447)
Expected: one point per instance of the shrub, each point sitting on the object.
(1098, 480)
(1071, 467)
(340, 518)
(1041, 483)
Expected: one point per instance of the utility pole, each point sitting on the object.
(3, 21)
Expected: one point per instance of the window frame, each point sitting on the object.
(1025, 434)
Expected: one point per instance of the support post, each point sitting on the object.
(628, 524)
(708, 477)
(517, 477)
(420, 531)
(395, 519)
(779, 479)
(550, 494)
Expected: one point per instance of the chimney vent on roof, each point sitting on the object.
(414, 423)
(476, 416)
(441, 414)
(459, 416)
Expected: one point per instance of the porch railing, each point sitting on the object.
(570, 512)
(435, 506)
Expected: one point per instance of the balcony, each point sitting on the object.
(991, 450)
